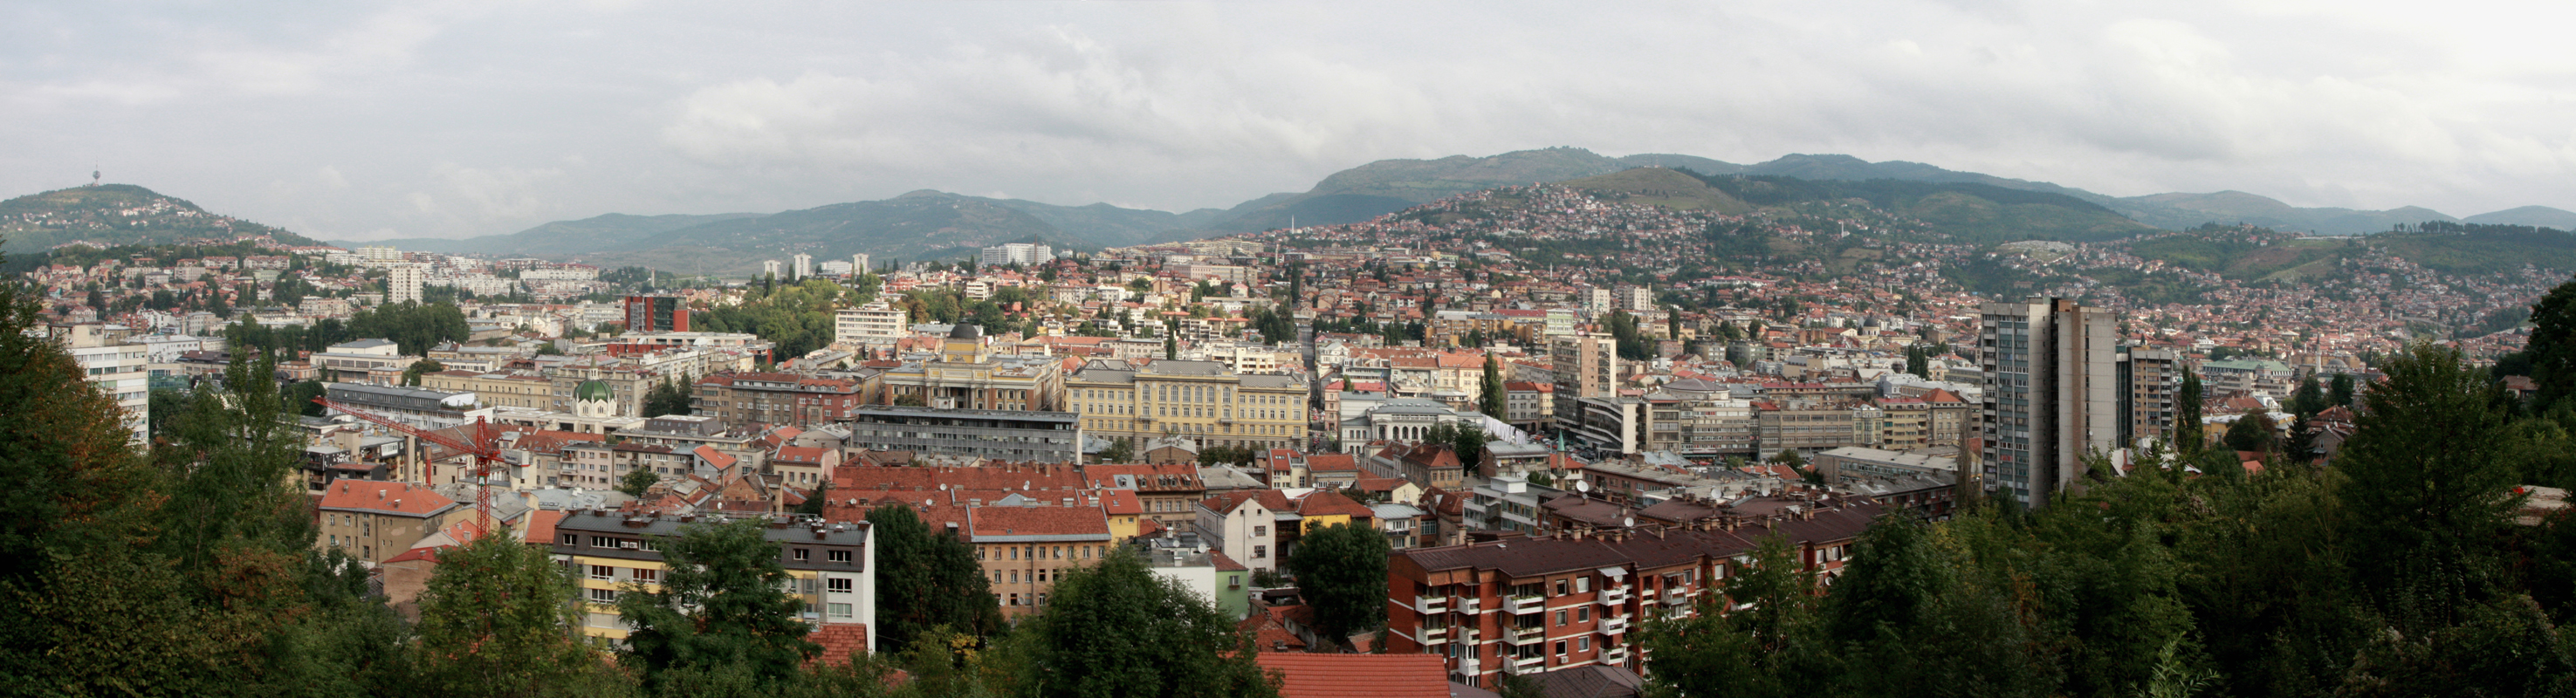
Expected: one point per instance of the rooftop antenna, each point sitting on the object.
(93, 175)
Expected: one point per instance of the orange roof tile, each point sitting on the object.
(1305, 675)
(385, 498)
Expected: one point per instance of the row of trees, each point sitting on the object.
(412, 327)
(2397, 571)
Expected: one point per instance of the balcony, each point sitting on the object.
(1614, 597)
(1431, 604)
(1677, 598)
(1525, 665)
(1429, 636)
(1524, 604)
(1471, 605)
(1615, 655)
(1614, 626)
(1467, 665)
(1525, 636)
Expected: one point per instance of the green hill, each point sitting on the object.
(1386, 186)
(602, 232)
(1657, 186)
(1964, 212)
(2459, 249)
(117, 214)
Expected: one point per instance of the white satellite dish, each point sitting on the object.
(1582, 486)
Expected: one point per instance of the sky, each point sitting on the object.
(360, 121)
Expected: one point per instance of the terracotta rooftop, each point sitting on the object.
(385, 498)
(1305, 675)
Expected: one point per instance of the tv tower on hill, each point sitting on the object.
(93, 175)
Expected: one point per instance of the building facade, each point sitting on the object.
(2051, 395)
(830, 565)
(1205, 401)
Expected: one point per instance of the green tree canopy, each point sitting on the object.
(1117, 629)
(926, 579)
(1341, 571)
(721, 605)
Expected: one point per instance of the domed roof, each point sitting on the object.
(593, 389)
(966, 331)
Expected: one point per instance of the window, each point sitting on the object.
(1560, 617)
(647, 575)
(1560, 588)
(803, 554)
(1582, 584)
(603, 596)
(571, 539)
(840, 556)
(1261, 530)
(602, 572)
(1260, 552)
(1015, 599)
(1015, 576)
(602, 542)
(838, 610)
(1582, 613)
(1583, 644)
(837, 585)
(1560, 649)
(1234, 581)
(979, 553)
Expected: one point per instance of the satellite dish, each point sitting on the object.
(1582, 486)
(1628, 522)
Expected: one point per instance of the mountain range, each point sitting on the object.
(932, 224)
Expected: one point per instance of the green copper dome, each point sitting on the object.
(593, 390)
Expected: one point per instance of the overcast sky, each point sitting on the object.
(349, 120)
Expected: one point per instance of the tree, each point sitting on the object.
(815, 500)
(1118, 629)
(1171, 347)
(667, 396)
(2187, 426)
(1121, 450)
(1341, 571)
(926, 579)
(495, 621)
(411, 375)
(1753, 652)
(2552, 346)
(638, 481)
(2252, 431)
(721, 604)
(2308, 399)
(2341, 393)
(2428, 488)
(1492, 399)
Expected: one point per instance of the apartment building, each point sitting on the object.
(1025, 550)
(1585, 366)
(744, 399)
(1015, 436)
(1535, 604)
(1205, 401)
(1809, 427)
(2051, 394)
(1246, 525)
(2150, 383)
(879, 322)
(830, 565)
(375, 521)
(119, 369)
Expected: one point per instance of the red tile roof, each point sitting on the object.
(1038, 521)
(385, 498)
(1330, 503)
(1305, 675)
(541, 527)
(839, 641)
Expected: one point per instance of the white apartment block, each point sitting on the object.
(403, 282)
(1015, 253)
(878, 322)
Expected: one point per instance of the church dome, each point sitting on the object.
(593, 389)
(966, 331)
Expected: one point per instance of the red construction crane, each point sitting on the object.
(484, 446)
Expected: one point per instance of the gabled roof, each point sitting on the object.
(396, 498)
(1330, 503)
(1308, 675)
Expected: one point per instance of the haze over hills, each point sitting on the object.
(932, 224)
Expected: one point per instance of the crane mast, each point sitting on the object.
(483, 446)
